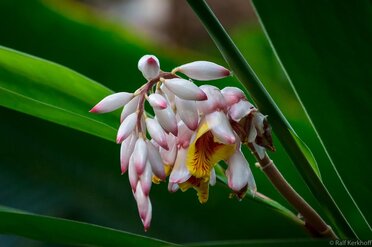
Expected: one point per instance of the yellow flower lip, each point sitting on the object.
(205, 151)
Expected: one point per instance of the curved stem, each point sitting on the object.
(267, 105)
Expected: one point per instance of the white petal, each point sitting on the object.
(180, 173)
(112, 102)
(237, 172)
(155, 161)
(129, 108)
(232, 95)
(156, 132)
(146, 179)
(184, 135)
(173, 187)
(241, 109)
(260, 150)
(258, 121)
(212, 180)
(169, 156)
(149, 66)
(157, 101)
(127, 127)
(132, 174)
(215, 100)
(142, 201)
(203, 70)
(252, 133)
(140, 155)
(185, 89)
(220, 127)
(126, 150)
(167, 120)
(188, 112)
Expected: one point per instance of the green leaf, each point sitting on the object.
(52, 92)
(64, 231)
(325, 47)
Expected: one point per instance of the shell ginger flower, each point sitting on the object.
(193, 129)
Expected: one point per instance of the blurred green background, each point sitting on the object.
(53, 170)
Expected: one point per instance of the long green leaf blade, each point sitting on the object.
(64, 231)
(52, 92)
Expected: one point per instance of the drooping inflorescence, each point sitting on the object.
(193, 129)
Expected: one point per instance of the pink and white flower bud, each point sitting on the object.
(180, 173)
(149, 66)
(127, 127)
(146, 179)
(185, 89)
(129, 108)
(203, 70)
(126, 149)
(169, 156)
(156, 132)
(220, 127)
(232, 95)
(147, 220)
(241, 109)
(238, 173)
(155, 160)
(167, 120)
(184, 135)
(142, 201)
(188, 112)
(112, 102)
(168, 94)
(132, 174)
(157, 101)
(215, 100)
(140, 155)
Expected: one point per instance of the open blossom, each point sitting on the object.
(193, 129)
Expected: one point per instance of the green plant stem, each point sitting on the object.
(266, 105)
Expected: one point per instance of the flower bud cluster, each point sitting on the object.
(193, 129)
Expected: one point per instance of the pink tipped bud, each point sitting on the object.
(220, 127)
(180, 173)
(169, 156)
(112, 102)
(241, 109)
(126, 127)
(232, 95)
(142, 201)
(146, 179)
(157, 101)
(167, 120)
(140, 155)
(147, 220)
(203, 70)
(155, 160)
(156, 132)
(215, 100)
(185, 89)
(149, 66)
(129, 108)
(188, 112)
(238, 173)
(184, 135)
(132, 174)
(127, 147)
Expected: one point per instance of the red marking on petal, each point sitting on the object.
(151, 60)
(202, 96)
(94, 110)
(226, 72)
